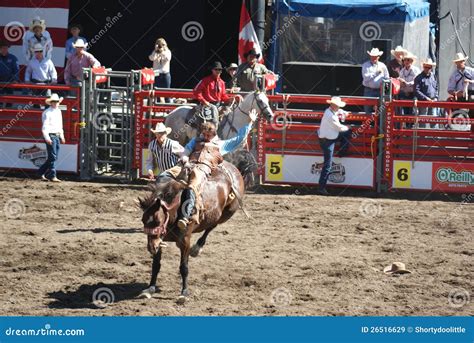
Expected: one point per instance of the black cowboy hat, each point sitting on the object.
(4, 43)
(216, 65)
(252, 52)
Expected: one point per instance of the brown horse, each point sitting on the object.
(220, 200)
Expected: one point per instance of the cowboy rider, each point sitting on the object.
(211, 91)
(206, 154)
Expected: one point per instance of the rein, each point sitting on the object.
(161, 230)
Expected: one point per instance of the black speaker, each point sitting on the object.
(384, 45)
(322, 78)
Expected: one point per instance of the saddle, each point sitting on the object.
(201, 114)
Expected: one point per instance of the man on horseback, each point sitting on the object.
(205, 154)
(211, 94)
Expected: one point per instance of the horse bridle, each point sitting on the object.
(161, 229)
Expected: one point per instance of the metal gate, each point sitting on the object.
(107, 121)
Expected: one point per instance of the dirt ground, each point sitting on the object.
(299, 254)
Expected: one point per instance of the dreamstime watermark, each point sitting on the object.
(45, 331)
(369, 31)
(459, 120)
(14, 31)
(465, 25)
(369, 208)
(281, 297)
(103, 121)
(14, 208)
(192, 31)
(458, 297)
(288, 22)
(467, 198)
(282, 122)
(102, 297)
(110, 22)
(18, 116)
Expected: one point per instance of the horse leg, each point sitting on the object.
(197, 247)
(184, 246)
(155, 269)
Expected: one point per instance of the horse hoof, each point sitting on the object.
(195, 250)
(181, 300)
(147, 293)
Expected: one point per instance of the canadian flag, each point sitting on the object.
(247, 35)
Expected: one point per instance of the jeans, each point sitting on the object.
(48, 168)
(371, 92)
(5, 91)
(163, 81)
(328, 150)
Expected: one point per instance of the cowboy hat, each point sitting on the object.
(335, 100)
(429, 62)
(460, 57)
(232, 66)
(79, 43)
(375, 52)
(252, 52)
(161, 128)
(409, 56)
(36, 21)
(396, 268)
(54, 98)
(398, 51)
(38, 47)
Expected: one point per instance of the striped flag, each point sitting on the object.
(247, 35)
(16, 16)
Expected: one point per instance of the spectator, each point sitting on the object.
(232, 82)
(407, 81)
(81, 59)
(37, 34)
(161, 58)
(164, 151)
(8, 68)
(211, 92)
(461, 82)
(373, 73)
(395, 65)
(331, 131)
(249, 72)
(53, 134)
(426, 88)
(40, 70)
(74, 30)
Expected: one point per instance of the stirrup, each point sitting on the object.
(183, 223)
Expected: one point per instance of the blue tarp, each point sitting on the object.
(376, 10)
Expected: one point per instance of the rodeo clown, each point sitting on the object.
(205, 154)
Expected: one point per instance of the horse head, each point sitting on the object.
(155, 219)
(257, 101)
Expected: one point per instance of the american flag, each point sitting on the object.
(16, 16)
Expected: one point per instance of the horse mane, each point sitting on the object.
(165, 191)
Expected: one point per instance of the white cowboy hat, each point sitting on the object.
(398, 51)
(38, 47)
(232, 66)
(54, 97)
(429, 62)
(335, 100)
(375, 52)
(396, 268)
(161, 128)
(79, 44)
(409, 56)
(36, 21)
(460, 57)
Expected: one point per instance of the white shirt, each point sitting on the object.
(330, 125)
(409, 76)
(52, 122)
(43, 70)
(371, 75)
(456, 81)
(165, 155)
(161, 62)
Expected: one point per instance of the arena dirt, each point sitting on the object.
(297, 255)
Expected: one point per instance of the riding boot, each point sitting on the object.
(188, 200)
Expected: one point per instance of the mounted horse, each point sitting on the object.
(220, 199)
